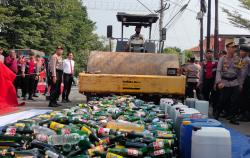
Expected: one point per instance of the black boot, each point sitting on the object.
(234, 121)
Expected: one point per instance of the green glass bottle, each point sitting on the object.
(162, 152)
(164, 143)
(91, 134)
(126, 152)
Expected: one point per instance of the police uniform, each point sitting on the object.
(193, 71)
(228, 73)
(245, 84)
(21, 70)
(207, 78)
(56, 70)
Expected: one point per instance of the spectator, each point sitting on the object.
(68, 74)
(11, 63)
(31, 76)
(39, 68)
(207, 75)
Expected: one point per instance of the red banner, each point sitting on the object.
(8, 97)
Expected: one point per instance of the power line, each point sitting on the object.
(94, 5)
(180, 11)
(195, 12)
(107, 6)
(145, 6)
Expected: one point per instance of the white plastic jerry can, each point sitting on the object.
(202, 106)
(211, 142)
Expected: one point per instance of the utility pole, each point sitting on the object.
(216, 29)
(208, 24)
(200, 17)
(161, 24)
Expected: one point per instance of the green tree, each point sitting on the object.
(44, 24)
(172, 50)
(236, 18)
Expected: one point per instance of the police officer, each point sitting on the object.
(227, 79)
(21, 74)
(192, 73)
(56, 72)
(245, 83)
(207, 75)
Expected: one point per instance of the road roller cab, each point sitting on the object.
(137, 71)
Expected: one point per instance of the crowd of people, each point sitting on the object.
(225, 83)
(28, 68)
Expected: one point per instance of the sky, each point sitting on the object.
(183, 33)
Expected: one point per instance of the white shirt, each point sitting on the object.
(1, 58)
(68, 66)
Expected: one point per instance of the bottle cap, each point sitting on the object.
(186, 122)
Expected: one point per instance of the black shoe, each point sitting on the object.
(35, 95)
(58, 104)
(230, 117)
(234, 122)
(17, 96)
(24, 98)
(30, 98)
(52, 105)
(68, 101)
(243, 118)
(64, 101)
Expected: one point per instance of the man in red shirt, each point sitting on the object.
(207, 75)
(31, 76)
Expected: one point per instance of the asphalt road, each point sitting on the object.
(76, 98)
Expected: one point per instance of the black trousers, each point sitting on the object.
(35, 85)
(29, 85)
(19, 82)
(191, 86)
(207, 89)
(228, 100)
(67, 81)
(245, 95)
(55, 87)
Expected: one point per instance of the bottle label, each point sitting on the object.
(158, 145)
(133, 152)
(55, 125)
(111, 155)
(159, 152)
(65, 131)
(164, 126)
(20, 125)
(11, 131)
(103, 131)
(104, 141)
(85, 129)
(42, 137)
(96, 149)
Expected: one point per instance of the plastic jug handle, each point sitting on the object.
(195, 128)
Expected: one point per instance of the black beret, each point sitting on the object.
(245, 47)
